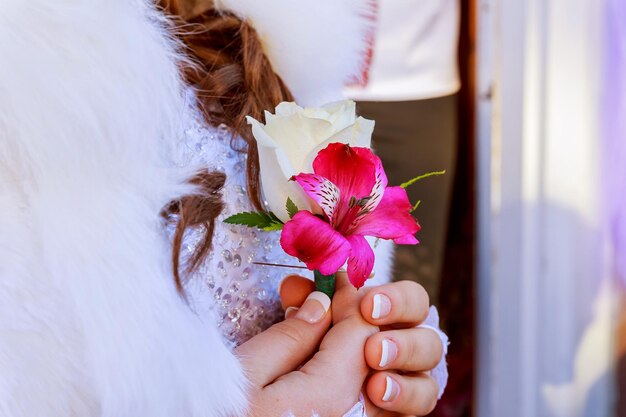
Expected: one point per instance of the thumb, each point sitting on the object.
(294, 289)
(346, 300)
(286, 345)
(341, 351)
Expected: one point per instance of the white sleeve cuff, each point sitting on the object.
(358, 410)
(439, 372)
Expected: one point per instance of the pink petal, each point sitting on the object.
(379, 185)
(360, 178)
(314, 242)
(391, 219)
(406, 240)
(321, 190)
(352, 170)
(374, 199)
(361, 261)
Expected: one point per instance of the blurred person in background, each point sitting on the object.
(410, 89)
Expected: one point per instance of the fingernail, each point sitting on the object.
(389, 352)
(382, 306)
(290, 312)
(392, 389)
(314, 308)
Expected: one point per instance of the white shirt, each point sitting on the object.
(414, 52)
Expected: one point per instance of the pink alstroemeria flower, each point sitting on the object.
(350, 187)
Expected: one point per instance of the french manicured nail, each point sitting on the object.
(389, 352)
(382, 306)
(392, 389)
(290, 312)
(314, 308)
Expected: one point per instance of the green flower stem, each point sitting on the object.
(325, 283)
(421, 177)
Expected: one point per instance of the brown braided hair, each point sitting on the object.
(233, 79)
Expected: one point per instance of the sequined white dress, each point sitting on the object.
(230, 286)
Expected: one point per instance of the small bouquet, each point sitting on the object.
(326, 191)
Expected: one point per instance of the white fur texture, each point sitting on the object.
(90, 323)
(317, 47)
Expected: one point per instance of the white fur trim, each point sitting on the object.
(90, 323)
(316, 47)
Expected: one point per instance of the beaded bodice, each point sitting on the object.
(230, 286)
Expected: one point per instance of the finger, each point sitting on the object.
(342, 281)
(294, 289)
(341, 351)
(405, 350)
(340, 359)
(414, 395)
(286, 345)
(398, 302)
(346, 299)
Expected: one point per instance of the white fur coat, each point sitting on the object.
(90, 322)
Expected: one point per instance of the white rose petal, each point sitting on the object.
(276, 165)
(289, 142)
(341, 114)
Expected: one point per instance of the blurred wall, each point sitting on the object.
(546, 290)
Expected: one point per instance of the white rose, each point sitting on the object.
(289, 142)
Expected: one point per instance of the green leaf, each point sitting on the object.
(250, 219)
(291, 207)
(421, 177)
(255, 219)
